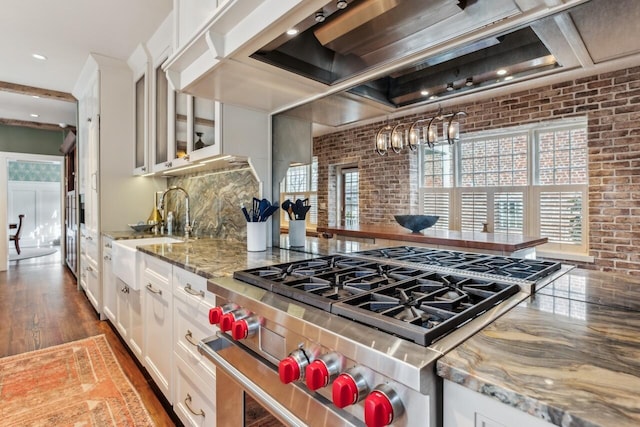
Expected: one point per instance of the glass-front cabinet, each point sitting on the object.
(139, 63)
(140, 95)
(161, 133)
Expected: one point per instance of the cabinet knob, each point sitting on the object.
(143, 169)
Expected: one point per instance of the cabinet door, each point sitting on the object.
(160, 122)
(109, 294)
(158, 328)
(123, 316)
(206, 139)
(93, 285)
(140, 125)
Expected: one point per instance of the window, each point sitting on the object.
(350, 197)
(301, 182)
(528, 180)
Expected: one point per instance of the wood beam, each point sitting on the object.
(34, 125)
(36, 91)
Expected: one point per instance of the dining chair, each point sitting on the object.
(16, 237)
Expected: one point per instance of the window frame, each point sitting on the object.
(531, 192)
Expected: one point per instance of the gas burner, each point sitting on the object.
(442, 258)
(525, 269)
(426, 307)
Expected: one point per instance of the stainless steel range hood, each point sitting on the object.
(390, 57)
(349, 44)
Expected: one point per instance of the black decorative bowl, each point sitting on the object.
(416, 223)
(141, 228)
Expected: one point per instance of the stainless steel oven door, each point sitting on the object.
(244, 378)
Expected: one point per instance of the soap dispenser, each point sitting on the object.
(170, 223)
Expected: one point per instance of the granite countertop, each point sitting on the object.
(461, 239)
(213, 258)
(569, 354)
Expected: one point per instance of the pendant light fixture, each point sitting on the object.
(422, 131)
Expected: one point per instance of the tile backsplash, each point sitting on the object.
(214, 201)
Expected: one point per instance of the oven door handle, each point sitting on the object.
(209, 347)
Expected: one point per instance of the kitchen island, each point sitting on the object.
(393, 235)
(569, 355)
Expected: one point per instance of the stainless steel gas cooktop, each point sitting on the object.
(418, 294)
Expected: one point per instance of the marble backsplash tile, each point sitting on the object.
(214, 201)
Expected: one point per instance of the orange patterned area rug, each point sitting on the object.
(74, 384)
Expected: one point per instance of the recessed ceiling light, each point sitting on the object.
(508, 78)
(38, 56)
(449, 87)
(35, 96)
(433, 97)
(501, 72)
(292, 32)
(34, 115)
(469, 82)
(320, 16)
(424, 93)
(341, 4)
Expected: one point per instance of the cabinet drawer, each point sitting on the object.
(191, 324)
(158, 268)
(190, 287)
(195, 395)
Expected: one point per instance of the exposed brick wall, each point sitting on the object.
(611, 103)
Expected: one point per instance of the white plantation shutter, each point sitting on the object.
(508, 212)
(561, 216)
(473, 210)
(437, 204)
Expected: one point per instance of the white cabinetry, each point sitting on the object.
(194, 397)
(110, 196)
(129, 317)
(465, 407)
(109, 295)
(158, 323)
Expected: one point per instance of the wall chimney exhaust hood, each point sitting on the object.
(580, 36)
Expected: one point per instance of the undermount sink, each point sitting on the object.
(125, 259)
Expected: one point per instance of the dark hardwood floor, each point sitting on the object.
(40, 306)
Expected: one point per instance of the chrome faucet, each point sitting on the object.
(162, 206)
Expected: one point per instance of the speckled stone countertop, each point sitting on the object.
(570, 354)
(213, 258)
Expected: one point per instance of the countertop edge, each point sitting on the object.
(423, 238)
(519, 401)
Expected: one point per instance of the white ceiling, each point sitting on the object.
(65, 31)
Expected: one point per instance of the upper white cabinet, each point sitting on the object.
(110, 196)
(139, 64)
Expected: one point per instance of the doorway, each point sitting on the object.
(32, 186)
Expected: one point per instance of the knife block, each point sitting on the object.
(297, 232)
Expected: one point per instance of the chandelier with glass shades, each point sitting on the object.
(421, 132)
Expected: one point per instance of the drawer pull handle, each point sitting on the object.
(189, 337)
(187, 402)
(155, 291)
(190, 290)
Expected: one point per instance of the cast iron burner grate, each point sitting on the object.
(324, 289)
(424, 308)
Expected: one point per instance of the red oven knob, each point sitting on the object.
(216, 313)
(323, 370)
(382, 406)
(317, 375)
(349, 388)
(292, 367)
(289, 370)
(226, 321)
(243, 328)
